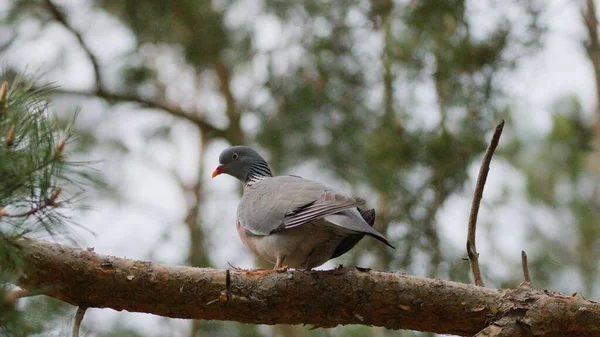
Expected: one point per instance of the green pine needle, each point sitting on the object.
(39, 187)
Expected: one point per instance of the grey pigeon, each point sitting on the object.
(291, 221)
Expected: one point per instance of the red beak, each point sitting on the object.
(218, 170)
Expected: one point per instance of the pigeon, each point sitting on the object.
(291, 221)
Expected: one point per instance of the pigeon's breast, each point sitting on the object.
(303, 247)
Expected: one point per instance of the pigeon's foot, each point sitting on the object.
(279, 267)
(248, 269)
(258, 271)
(236, 268)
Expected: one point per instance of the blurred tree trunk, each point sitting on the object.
(198, 253)
(592, 47)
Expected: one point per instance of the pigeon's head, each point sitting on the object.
(243, 163)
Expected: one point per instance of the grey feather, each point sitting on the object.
(351, 219)
(351, 240)
(277, 203)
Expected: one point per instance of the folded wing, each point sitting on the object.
(278, 203)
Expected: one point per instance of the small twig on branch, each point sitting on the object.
(61, 18)
(28, 213)
(478, 194)
(3, 94)
(226, 293)
(525, 267)
(13, 296)
(78, 318)
(50, 202)
(9, 140)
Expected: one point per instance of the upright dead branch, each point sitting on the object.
(481, 179)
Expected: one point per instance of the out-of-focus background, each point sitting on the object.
(394, 101)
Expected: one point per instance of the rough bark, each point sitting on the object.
(322, 298)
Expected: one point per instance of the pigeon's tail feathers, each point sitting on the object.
(354, 221)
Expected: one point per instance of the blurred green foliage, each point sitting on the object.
(395, 98)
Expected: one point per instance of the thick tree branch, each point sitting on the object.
(205, 127)
(477, 195)
(320, 298)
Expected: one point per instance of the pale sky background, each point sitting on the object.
(133, 231)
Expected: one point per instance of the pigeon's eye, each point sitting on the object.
(235, 156)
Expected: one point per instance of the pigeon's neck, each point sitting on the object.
(258, 171)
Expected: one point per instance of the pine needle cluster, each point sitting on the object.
(38, 186)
